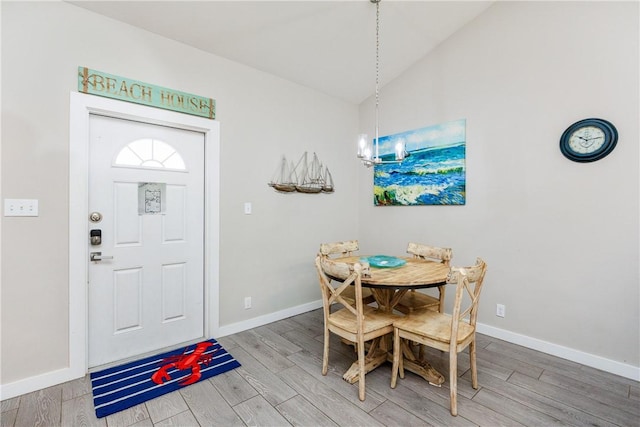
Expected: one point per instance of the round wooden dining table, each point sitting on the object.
(388, 285)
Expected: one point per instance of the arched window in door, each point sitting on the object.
(150, 153)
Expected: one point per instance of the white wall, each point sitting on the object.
(267, 255)
(560, 238)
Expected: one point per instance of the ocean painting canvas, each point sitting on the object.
(433, 173)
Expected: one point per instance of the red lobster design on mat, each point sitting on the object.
(185, 361)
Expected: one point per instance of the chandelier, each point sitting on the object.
(369, 150)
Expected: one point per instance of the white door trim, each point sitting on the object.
(81, 106)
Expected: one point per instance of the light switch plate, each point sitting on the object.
(20, 207)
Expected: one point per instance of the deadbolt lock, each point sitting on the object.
(95, 237)
(95, 217)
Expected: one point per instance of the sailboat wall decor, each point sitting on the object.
(284, 179)
(328, 181)
(307, 176)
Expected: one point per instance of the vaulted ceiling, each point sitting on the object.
(325, 45)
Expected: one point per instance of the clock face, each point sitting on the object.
(588, 140)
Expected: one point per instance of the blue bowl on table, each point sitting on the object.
(384, 261)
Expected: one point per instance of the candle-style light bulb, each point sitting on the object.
(362, 145)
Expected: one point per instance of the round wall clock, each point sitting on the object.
(588, 140)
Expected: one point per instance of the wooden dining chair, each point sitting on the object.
(358, 323)
(446, 332)
(414, 300)
(344, 249)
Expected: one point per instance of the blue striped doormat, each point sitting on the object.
(124, 386)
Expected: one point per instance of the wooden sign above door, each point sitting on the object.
(98, 83)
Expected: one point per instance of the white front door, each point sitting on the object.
(146, 285)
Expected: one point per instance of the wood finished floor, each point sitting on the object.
(280, 384)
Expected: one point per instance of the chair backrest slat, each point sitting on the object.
(342, 248)
(468, 282)
(419, 250)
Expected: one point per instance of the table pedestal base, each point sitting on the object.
(420, 367)
(371, 362)
(426, 371)
(411, 363)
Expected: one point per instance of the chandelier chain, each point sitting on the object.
(367, 152)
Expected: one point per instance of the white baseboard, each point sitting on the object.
(608, 365)
(38, 382)
(267, 318)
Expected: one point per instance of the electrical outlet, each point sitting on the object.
(247, 303)
(500, 310)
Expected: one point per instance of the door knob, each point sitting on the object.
(97, 256)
